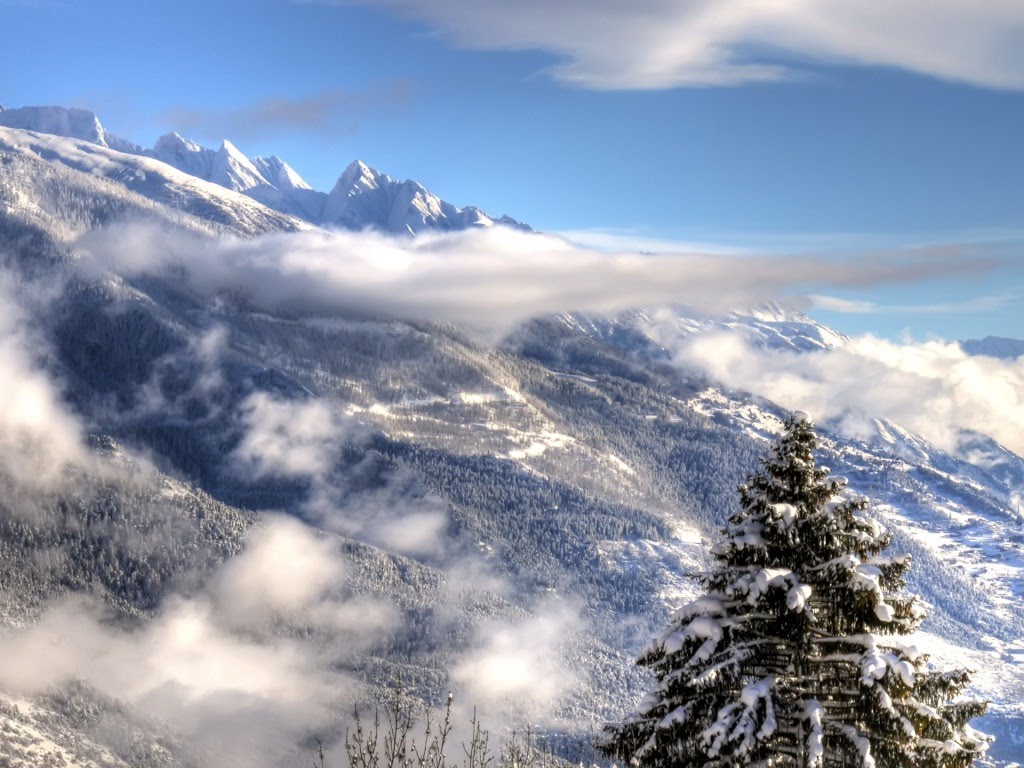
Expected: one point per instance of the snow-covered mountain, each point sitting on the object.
(362, 197)
(571, 461)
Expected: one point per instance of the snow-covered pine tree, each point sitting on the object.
(792, 657)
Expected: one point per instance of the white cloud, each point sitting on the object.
(933, 388)
(522, 663)
(289, 573)
(650, 44)
(224, 667)
(203, 383)
(283, 570)
(290, 438)
(394, 515)
(39, 437)
(620, 240)
(975, 304)
(491, 279)
(846, 306)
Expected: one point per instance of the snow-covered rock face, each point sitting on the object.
(74, 123)
(770, 326)
(362, 198)
(185, 155)
(270, 182)
(358, 179)
(279, 173)
(234, 170)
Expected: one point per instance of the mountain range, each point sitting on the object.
(362, 197)
(536, 504)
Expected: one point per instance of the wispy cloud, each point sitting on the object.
(846, 306)
(335, 111)
(651, 44)
(976, 304)
(1006, 241)
(618, 240)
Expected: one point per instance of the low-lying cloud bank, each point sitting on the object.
(490, 279)
(932, 388)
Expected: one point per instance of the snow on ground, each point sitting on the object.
(31, 736)
(677, 561)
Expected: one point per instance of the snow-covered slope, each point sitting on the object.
(49, 731)
(118, 178)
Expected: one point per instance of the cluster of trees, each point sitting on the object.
(129, 539)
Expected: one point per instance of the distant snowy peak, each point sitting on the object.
(70, 122)
(364, 197)
(279, 173)
(994, 346)
(185, 155)
(226, 166)
(358, 179)
(775, 325)
(234, 170)
(229, 168)
(774, 312)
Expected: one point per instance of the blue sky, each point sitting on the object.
(853, 125)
